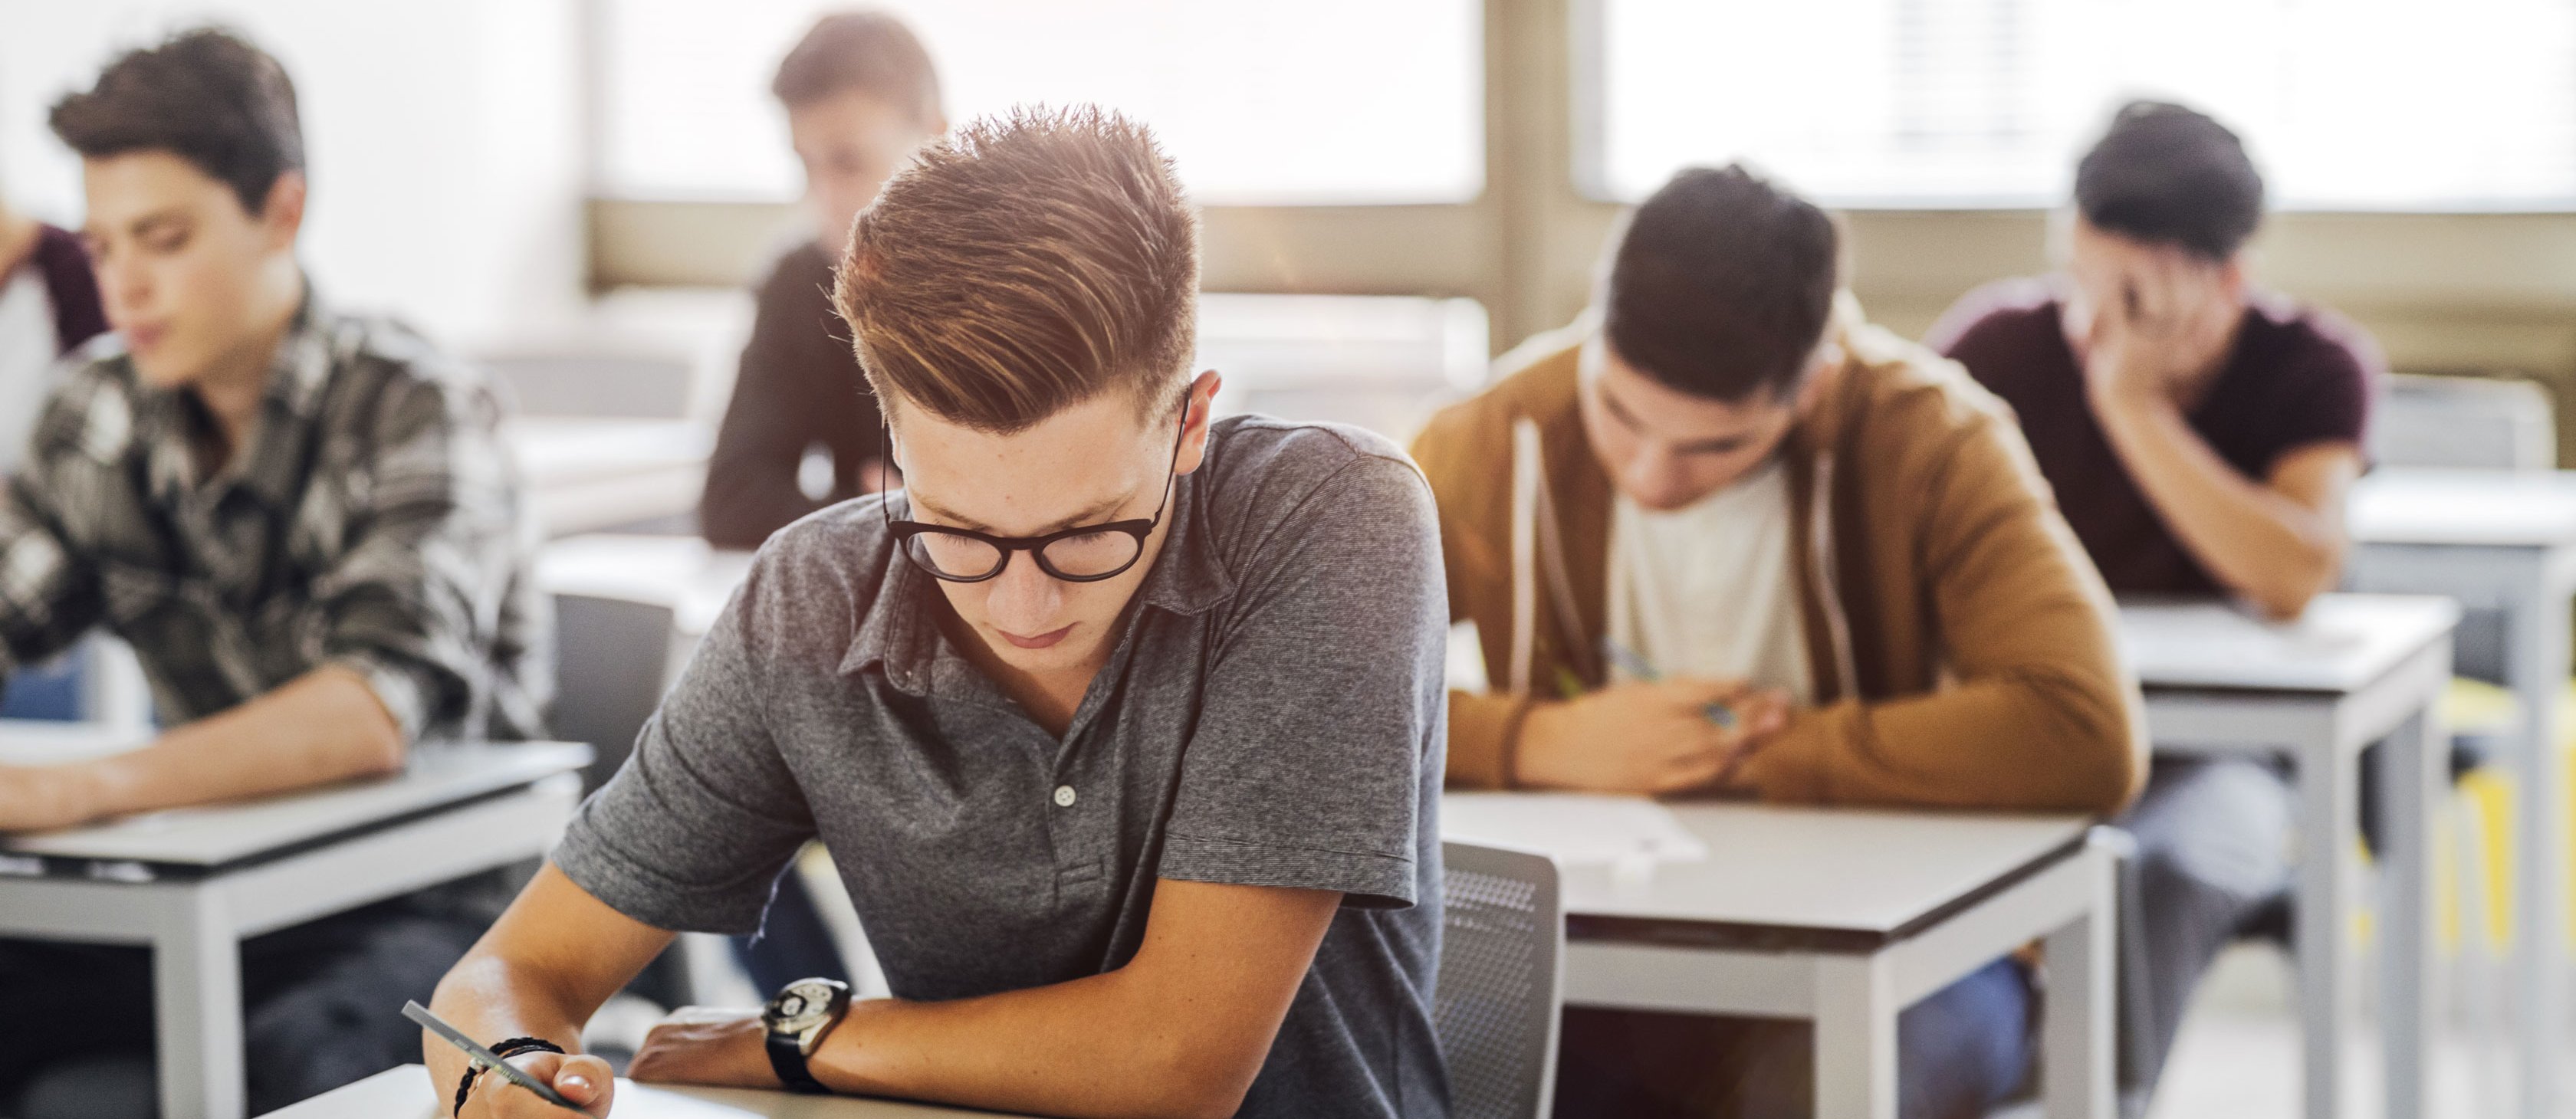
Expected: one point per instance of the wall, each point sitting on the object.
(443, 140)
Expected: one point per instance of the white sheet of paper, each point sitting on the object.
(1575, 828)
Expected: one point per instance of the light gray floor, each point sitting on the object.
(2238, 1054)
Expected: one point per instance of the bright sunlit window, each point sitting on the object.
(2346, 104)
(1319, 101)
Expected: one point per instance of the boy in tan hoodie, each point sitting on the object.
(1723, 486)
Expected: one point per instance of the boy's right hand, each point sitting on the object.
(1645, 737)
(581, 1078)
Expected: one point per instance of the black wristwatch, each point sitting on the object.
(797, 1019)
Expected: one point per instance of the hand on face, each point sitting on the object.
(703, 1045)
(2163, 319)
(581, 1078)
(43, 798)
(1646, 737)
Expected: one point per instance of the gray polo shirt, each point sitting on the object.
(1272, 714)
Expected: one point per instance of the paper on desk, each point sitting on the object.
(45, 742)
(1575, 828)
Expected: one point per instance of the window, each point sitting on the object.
(2346, 104)
(1321, 101)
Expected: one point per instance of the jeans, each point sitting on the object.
(793, 942)
(2213, 840)
(1959, 1052)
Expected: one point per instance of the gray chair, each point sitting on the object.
(610, 659)
(1501, 981)
(2480, 423)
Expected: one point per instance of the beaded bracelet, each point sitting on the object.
(505, 1050)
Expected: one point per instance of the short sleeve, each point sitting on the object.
(2320, 394)
(694, 828)
(1318, 749)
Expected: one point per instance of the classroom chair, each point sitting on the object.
(1501, 981)
(610, 658)
(2476, 423)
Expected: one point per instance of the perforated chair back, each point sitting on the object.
(1501, 981)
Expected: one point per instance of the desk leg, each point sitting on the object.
(2538, 672)
(1855, 1038)
(2076, 1043)
(197, 1007)
(2412, 768)
(2327, 788)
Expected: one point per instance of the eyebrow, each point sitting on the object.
(1089, 515)
(1704, 446)
(144, 225)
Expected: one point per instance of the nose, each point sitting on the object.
(1651, 476)
(124, 288)
(1023, 599)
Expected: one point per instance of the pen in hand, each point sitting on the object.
(1718, 713)
(482, 1058)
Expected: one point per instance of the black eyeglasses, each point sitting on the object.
(1083, 554)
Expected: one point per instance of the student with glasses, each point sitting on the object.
(1124, 725)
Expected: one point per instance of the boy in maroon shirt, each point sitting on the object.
(2200, 436)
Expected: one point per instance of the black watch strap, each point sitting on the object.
(787, 1059)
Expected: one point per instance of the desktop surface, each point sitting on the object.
(438, 774)
(2342, 642)
(1860, 875)
(405, 1093)
(2534, 508)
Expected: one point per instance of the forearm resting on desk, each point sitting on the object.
(1180, 1030)
(323, 727)
(2279, 541)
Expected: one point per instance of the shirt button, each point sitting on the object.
(1064, 796)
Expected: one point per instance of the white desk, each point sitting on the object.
(679, 572)
(1840, 917)
(2354, 670)
(193, 883)
(587, 474)
(406, 1093)
(2507, 542)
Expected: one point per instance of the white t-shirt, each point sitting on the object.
(1706, 590)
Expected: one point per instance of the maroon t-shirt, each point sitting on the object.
(2299, 376)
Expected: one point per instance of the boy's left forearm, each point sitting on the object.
(2256, 540)
(320, 728)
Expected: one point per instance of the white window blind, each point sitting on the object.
(1318, 101)
(2345, 104)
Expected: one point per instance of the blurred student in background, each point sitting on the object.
(2200, 435)
(803, 427)
(306, 525)
(860, 96)
(48, 305)
(1732, 481)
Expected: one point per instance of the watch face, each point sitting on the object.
(800, 1007)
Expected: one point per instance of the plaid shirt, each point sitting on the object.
(374, 520)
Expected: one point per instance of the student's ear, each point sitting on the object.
(2231, 276)
(1202, 406)
(283, 213)
(1811, 386)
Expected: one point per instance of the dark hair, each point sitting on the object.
(206, 96)
(1722, 285)
(2167, 175)
(1023, 264)
(869, 51)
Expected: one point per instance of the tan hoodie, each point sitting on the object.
(1961, 644)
